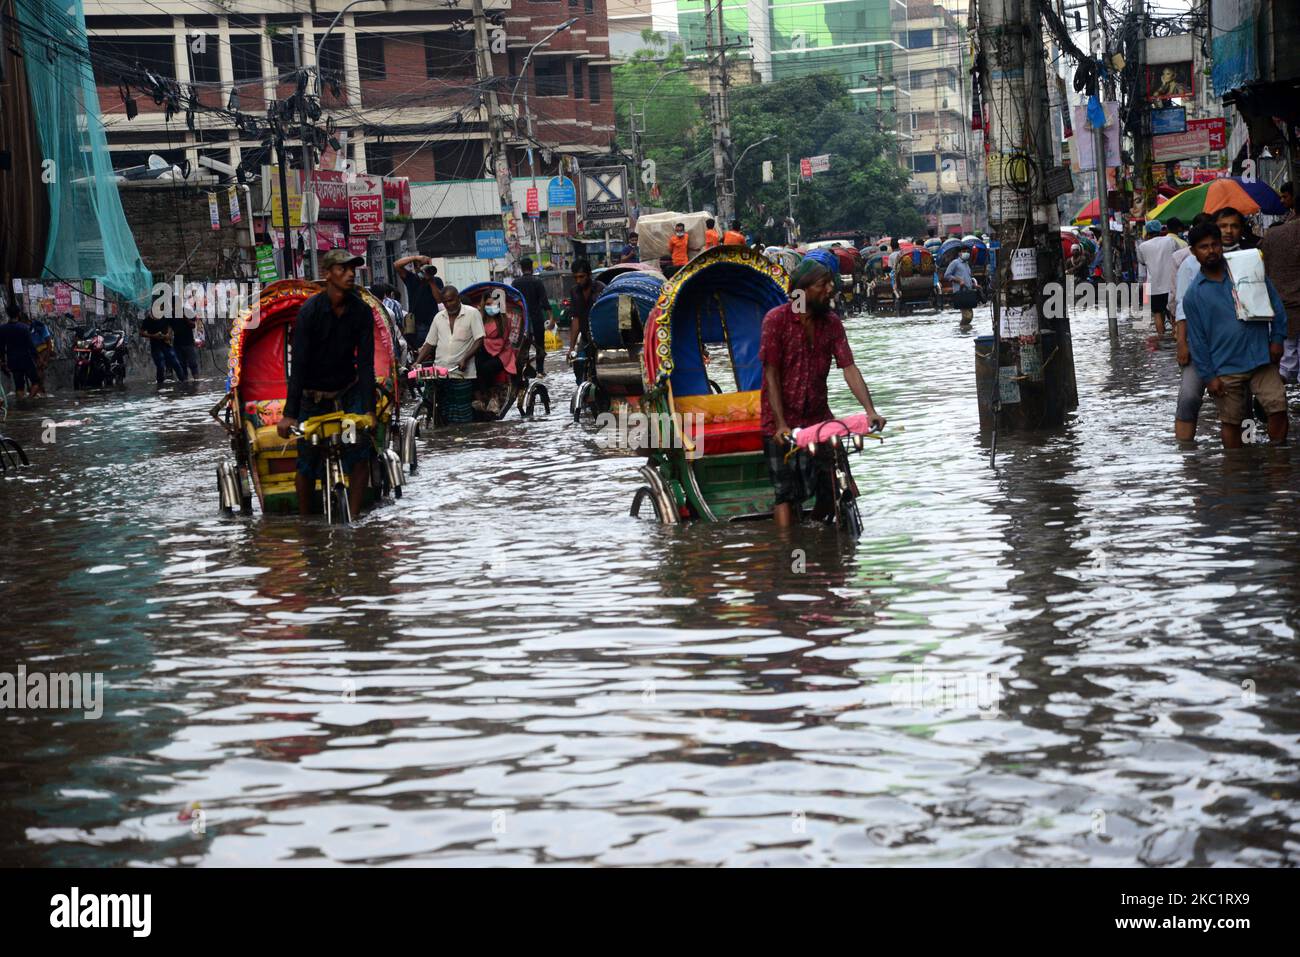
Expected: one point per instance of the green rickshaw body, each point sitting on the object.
(707, 460)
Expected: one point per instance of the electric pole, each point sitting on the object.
(309, 207)
(719, 112)
(1097, 50)
(497, 137)
(1031, 368)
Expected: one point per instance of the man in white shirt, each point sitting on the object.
(454, 337)
(1157, 255)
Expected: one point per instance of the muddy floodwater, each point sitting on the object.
(1087, 655)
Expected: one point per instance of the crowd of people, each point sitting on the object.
(1234, 298)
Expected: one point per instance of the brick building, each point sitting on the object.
(401, 82)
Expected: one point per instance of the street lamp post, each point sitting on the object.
(528, 116)
(636, 142)
(736, 164)
(308, 163)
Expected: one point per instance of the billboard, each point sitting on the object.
(1167, 81)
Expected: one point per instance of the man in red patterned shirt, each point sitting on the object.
(799, 340)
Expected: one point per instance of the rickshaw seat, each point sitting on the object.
(732, 420)
(266, 439)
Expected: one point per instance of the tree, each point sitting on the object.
(865, 189)
(672, 115)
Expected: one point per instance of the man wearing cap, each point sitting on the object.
(798, 342)
(332, 369)
(423, 293)
(1157, 255)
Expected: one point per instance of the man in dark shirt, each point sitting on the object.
(332, 369)
(187, 354)
(581, 297)
(798, 342)
(423, 293)
(159, 333)
(17, 351)
(539, 306)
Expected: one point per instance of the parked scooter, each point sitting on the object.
(99, 357)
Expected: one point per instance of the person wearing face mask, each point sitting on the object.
(494, 356)
(678, 249)
(959, 275)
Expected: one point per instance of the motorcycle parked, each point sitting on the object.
(99, 358)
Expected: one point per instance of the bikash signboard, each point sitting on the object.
(366, 206)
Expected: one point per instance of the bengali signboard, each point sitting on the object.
(1178, 146)
(331, 189)
(490, 244)
(820, 164)
(272, 175)
(531, 202)
(397, 199)
(366, 206)
(604, 197)
(1217, 129)
(561, 193)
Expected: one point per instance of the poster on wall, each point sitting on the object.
(1168, 81)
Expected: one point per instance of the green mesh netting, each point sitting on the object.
(88, 235)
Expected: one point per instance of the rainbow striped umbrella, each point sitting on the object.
(1246, 198)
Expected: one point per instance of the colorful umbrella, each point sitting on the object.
(1086, 215)
(1246, 198)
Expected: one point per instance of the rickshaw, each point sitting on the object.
(979, 259)
(880, 287)
(850, 276)
(914, 278)
(705, 449)
(783, 255)
(438, 390)
(257, 384)
(610, 371)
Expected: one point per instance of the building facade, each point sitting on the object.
(401, 94)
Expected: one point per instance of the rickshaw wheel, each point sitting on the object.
(638, 499)
(341, 513)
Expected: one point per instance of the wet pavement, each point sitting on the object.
(1085, 656)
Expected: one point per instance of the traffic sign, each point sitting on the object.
(604, 197)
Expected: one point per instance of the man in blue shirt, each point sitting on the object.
(958, 273)
(1234, 358)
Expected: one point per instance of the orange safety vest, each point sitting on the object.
(733, 238)
(710, 238)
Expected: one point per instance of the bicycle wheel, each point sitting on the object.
(849, 519)
(340, 506)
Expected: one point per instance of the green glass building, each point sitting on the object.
(861, 41)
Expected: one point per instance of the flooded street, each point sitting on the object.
(504, 667)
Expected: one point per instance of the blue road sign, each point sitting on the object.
(560, 192)
(490, 244)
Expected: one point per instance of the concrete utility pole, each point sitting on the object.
(719, 112)
(1032, 361)
(1097, 50)
(308, 196)
(497, 137)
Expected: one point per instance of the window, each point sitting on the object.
(246, 57)
(924, 163)
(379, 159)
(449, 55)
(912, 117)
(204, 64)
(920, 39)
(370, 58)
(551, 76)
(331, 58)
(589, 6)
(282, 51)
(578, 68)
(156, 54)
(593, 85)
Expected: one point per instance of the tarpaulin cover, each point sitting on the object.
(1232, 42)
(88, 235)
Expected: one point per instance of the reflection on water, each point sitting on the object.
(505, 668)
